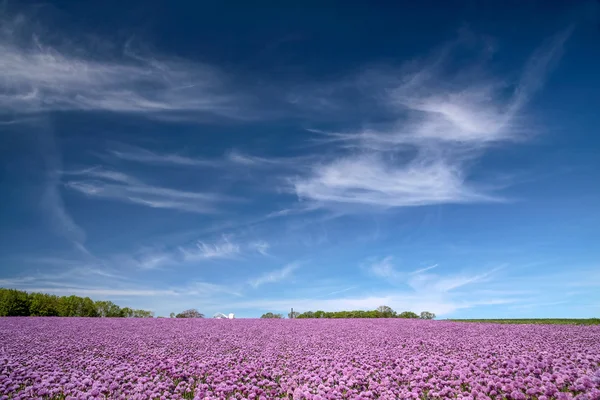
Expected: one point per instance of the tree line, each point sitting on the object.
(18, 303)
(380, 312)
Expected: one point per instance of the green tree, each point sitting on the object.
(307, 314)
(87, 308)
(385, 312)
(172, 315)
(107, 309)
(191, 313)
(427, 315)
(70, 306)
(127, 312)
(271, 315)
(14, 303)
(43, 305)
(407, 314)
(143, 314)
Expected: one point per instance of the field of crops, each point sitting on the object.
(297, 359)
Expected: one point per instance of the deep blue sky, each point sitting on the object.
(249, 158)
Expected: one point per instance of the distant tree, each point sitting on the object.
(272, 315)
(87, 308)
(293, 314)
(172, 315)
(108, 309)
(14, 303)
(427, 315)
(319, 314)
(386, 312)
(407, 314)
(43, 305)
(191, 313)
(127, 312)
(67, 306)
(143, 314)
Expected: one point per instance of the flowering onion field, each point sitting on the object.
(55, 358)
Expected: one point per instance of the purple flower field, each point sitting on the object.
(99, 358)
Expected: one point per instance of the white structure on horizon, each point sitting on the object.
(223, 316)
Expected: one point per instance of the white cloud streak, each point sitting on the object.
(421, 270)
(423, 281)
(443, 121)
(122, 187)
(232, 158)
(140, 155)
(261, 246)
(370, 180)
(224, 249)
(438, 284)
(274, 276)
(51, 200)
(384, 268)
(37, 77)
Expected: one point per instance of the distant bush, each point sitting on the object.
(427, 315)
(272, 315)
(191, 313)
(407, 314)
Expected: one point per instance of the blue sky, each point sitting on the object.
(237, 159)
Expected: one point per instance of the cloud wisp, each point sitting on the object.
(108, 184)
(51, 200)
(421, 270)
(262, 247)
(224, 249)
(231, 158)
(38, 77)
(371, 180)
(443, 121)
(384, 268)
(140, 155)
(274, 276)
(422, 280)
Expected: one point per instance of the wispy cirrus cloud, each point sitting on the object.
(384, 268)
(115, 185)
(235, 156)
(262, 247)
(422, 280)
(140, 155)
(231, 158)
(157, 257)
(371, 180)
(443, 121)
(274, 276)
(425, 269)
(224, 248)
(51, 200)
(443, 284)
(41, 77)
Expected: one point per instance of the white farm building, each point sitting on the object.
(223, 316)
